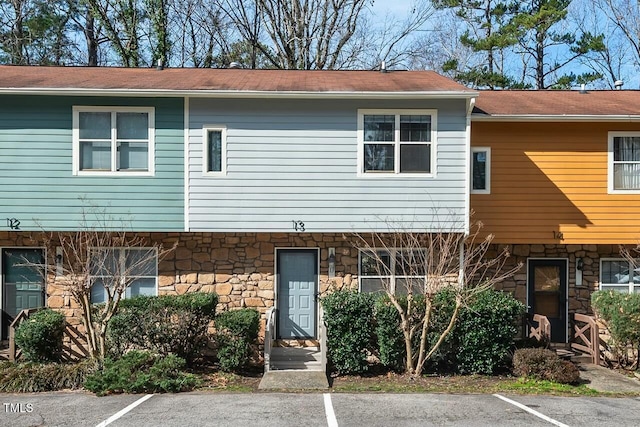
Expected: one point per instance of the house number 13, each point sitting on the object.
(298, 225)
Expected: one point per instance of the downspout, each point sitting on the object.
(471, 102)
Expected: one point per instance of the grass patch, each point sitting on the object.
(533, 386)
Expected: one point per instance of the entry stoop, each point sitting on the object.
(295, 368)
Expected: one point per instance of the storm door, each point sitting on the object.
(547, 294)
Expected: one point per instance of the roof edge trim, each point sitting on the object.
(553, 118)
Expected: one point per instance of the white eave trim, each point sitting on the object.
(553, 118)
(237, 93)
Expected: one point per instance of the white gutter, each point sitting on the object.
(212, 93)
(554, 118)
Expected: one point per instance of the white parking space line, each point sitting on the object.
(328, 410)
(531, 411)
(124, 411)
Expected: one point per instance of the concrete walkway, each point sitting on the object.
(607, 380)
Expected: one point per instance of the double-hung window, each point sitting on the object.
(113, 140)
(214, 150)
(394, 269)
(396, 142)
(619, 275)
(480, 170)
(135, 270)
(624, 162)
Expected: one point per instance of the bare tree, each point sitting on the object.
(101, 258)
(417, 266)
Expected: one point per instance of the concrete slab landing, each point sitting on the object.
(294, 380)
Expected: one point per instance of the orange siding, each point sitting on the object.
(549, 185)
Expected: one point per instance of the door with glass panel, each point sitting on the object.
(22, 284)
(547, 294)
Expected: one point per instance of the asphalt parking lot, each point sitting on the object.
(314, 409)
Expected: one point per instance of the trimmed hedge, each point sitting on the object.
(349, 319)
(141, 372)
(236, 332)
(167, 324)
(621, 313)
(40, 336)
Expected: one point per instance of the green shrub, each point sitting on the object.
(40, 336)
(167, 324)
(485, 331)
(236, 332)
(621, 313)
(391, 346)
(349, 319)
(543, 364)
(36, 377)
(141, 372)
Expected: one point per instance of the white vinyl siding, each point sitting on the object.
(297, 160)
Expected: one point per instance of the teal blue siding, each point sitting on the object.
(37, 186)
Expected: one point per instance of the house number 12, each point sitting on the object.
(298, 225)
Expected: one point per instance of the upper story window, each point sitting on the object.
(624, 162)
(392, 269)
(135, 268)
(480, 170)
(396, 142)
(619, 275)
(214, 156)
(113, 140)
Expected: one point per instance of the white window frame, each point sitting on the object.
(610, 163)
(113, 110)
(632, 287)
(127, 293)
(487, 189)
(205, 150)
(396, 172)
(393, 277)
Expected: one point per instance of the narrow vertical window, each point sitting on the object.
(626, 162)
(214, 150)
(480, 170)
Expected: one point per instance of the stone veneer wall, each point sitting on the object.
(239, 267)
(579, 296)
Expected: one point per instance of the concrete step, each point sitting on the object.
(294, 380)
(296, 358)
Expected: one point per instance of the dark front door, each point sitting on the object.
(297, 288)
(22, 285)
(548, 294)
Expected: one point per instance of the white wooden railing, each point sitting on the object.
(322, 331)
(269, 337)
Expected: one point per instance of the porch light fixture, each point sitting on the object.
(579, 264)
(332, 262)
(579, 267)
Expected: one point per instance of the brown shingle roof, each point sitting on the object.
(225, 80)
(557, 103)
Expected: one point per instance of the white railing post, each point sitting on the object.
(323, 340)
(268, 338)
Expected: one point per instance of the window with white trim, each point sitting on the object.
(394, 269)
(480, 170)
(619, 275)
(113, 140)
(396, 142)
(624, 162)
(214, 153)
(135, 267)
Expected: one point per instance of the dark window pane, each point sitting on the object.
(133, 156)
(479, 169)
(415, 158)
(94, 125)
(378, 264)
(626, 149)
(378, 157)
(95, 155)
(614, 272)
(415, 128)
(372, 285)
(132, 125)
(379, 128)
(214, 150)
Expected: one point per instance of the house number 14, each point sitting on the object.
(298, 225)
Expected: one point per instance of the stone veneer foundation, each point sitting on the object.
(239, 267)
